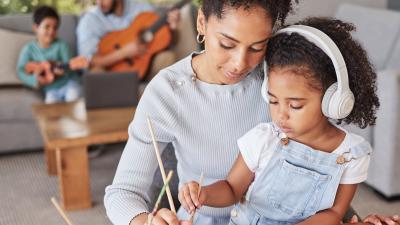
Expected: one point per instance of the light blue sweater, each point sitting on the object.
(203, 122)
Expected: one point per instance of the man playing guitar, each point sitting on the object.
(108, 16)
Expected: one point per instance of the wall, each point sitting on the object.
(328, 8)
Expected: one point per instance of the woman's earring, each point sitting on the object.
(200, 38)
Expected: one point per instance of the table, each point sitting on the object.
(67, 130)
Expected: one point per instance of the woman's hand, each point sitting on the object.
(167, 217)
(188, 196)
(378, 219)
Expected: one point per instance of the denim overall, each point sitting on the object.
(297, 183)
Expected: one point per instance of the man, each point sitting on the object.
(111, 15)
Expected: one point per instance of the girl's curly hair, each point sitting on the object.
(305, 58)
(277, 9)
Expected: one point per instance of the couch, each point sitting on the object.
(378, 30)
(18, 130)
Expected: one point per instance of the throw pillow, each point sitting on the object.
(11, 43)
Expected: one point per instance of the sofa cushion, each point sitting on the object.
(23, 23)
(11, 44)
(384, 169)
(394, 58)
(19, 136)
(377, 30)
(16, 103)
(186, 36)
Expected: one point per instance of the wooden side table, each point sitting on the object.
(68, 129)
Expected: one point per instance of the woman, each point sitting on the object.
(202, 105)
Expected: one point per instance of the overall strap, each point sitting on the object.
(355, 152)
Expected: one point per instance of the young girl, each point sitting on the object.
(302, 167)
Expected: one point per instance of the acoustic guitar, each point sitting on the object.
(147, 27)
(48, 68)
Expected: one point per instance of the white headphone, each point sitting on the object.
(338, 100)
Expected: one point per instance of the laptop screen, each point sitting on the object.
(110, 90)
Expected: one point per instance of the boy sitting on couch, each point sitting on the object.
(38, 60)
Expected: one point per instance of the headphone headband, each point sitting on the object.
(328, 46)
(338, 100)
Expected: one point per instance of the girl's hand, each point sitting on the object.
(188, 196)
(379, 219)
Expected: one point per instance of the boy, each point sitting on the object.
(58, 85)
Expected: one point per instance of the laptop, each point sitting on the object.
(110, 90)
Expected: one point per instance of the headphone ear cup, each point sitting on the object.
(346, 104)
(327, 101)
(336, 106)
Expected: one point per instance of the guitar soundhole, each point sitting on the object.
(129, 61)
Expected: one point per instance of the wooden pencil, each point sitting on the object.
(61, 211)
(198, 195)
(162, 170)
(160, 195)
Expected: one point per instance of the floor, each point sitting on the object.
(26, 189)
(368, 201)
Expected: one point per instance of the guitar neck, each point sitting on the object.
(163, 17)
(76, 63)
(60, 65)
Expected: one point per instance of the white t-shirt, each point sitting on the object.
(257, 146)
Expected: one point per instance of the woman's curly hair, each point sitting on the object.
(305, 58)
(277, 9)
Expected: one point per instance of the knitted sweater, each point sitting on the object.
(202, 121)
(58, 51)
